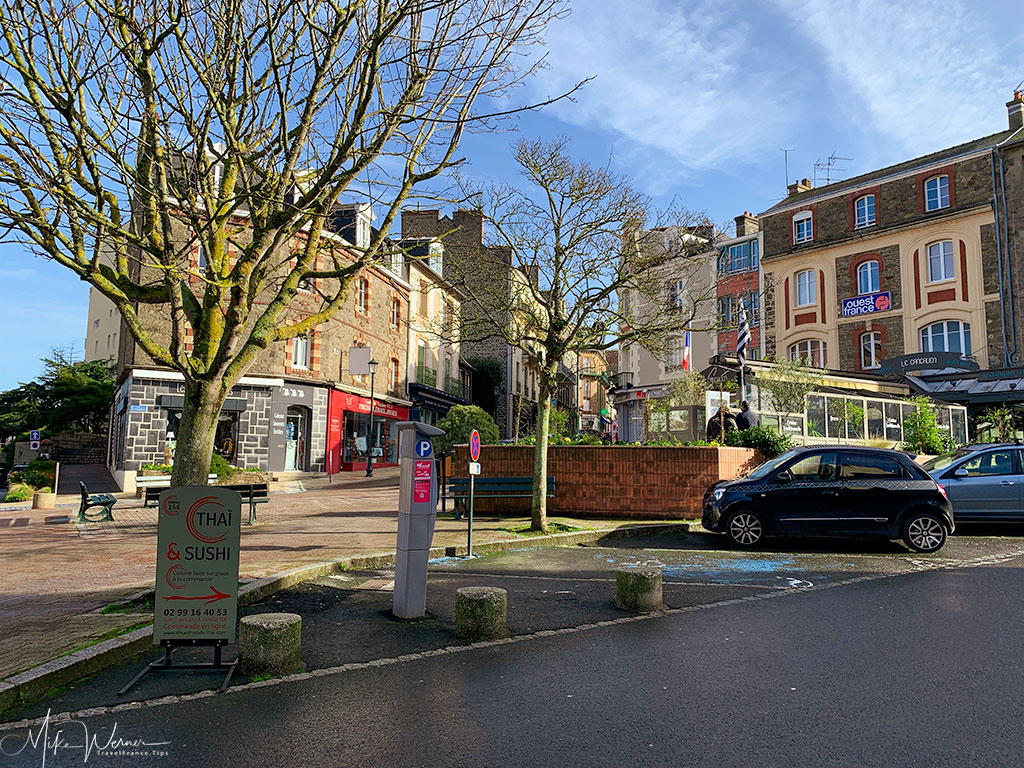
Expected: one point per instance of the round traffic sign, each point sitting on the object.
(474, 446)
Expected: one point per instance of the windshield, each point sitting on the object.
(938, 463)
(770, 466)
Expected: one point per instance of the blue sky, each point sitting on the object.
(694, 100)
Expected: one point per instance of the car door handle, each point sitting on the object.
(1006, 482)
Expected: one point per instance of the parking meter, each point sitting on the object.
(417, 511)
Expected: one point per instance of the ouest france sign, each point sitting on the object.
(198, 533)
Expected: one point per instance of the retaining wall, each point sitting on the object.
(594, 480)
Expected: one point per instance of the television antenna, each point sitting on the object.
(786, 153)
(829, 167)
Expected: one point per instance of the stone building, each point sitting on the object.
(301, 408)
(739, 287)
(595, 378)
(926, 256)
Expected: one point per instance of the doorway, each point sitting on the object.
(296, 439)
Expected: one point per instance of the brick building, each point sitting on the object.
(299, 409)
(923, 256)
(739, 287)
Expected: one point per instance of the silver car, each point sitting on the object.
(985, 483)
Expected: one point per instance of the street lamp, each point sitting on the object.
(369, 439)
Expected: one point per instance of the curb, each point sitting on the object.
(35, 682)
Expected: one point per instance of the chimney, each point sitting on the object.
(470, 227)
(746, 224)
(800, 186)
(1015, 109)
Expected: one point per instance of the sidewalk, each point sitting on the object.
(58, 576)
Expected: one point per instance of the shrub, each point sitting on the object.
(922, 432)
(460, 422)
(18, 492)
(46, 466)
(30, 477)
(766, 440)
(165, 468)
(220, 467)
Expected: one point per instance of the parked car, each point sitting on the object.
(832, 491)
(985, 483)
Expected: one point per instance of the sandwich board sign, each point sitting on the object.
(198, 536)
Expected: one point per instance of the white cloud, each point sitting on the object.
(674, 79)
(923, 73)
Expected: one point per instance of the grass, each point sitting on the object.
(260, 678)
(126, 607)
(110, 634)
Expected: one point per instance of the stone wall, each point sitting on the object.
(78, 448)
(620, 481)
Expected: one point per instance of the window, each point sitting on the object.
(201, 257)
(754, 308)
(867, 277)
(809, 349)
(865, 466)
(586, 388)
(725, 311)
(870, 350)
(394, 376)
(586, 363)
(436, 259)
(305, 286)
(940, 261)
(753, 254)
(806, 290)
(95, 323)
(362, 294)
(675, 294)
(948, 336)
(803, 227)
(396, 313)
(300, 352)
(739, 257)
(397, 261)
(865, 210)
(819, 468)
(519, 383)
(988, 464)
(936, 193)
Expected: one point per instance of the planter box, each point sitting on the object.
(44, 500)
(614, 481)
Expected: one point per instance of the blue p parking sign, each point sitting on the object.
(423, 448)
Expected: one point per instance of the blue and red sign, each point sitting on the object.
(867, 304)
(474, 446)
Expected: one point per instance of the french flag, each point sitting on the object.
(686, 352)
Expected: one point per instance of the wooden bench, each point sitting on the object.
(153, 484)
(102, 500)
(491, 488)
(252, 494)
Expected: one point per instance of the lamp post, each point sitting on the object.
(369, 438)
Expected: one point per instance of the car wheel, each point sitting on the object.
(924, 532)
(745, 529)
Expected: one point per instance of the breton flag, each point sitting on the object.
(742, 337)
(686, 352)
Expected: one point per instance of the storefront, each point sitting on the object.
(295, 421)
(349, 436)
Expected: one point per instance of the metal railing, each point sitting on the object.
(455, 387)
(426, 375)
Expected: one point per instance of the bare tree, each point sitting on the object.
(567, 247)
(134, 134)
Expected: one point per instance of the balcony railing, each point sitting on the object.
(455, 387)
(425, 375)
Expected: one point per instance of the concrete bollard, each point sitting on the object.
(481, 613)
(270, 644)
(638, 590)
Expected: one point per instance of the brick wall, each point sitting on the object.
(642, 483)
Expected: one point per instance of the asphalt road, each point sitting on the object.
(909, 666)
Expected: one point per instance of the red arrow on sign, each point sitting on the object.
(211, 598)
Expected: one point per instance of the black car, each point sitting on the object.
(832, 491)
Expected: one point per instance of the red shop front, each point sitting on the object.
(348, 431)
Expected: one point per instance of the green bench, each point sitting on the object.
(152, 485)
(491, 488)
(252, 494)
(103, 500)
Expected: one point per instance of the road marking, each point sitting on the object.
(454, 649)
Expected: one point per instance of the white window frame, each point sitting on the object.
(866, 269)
(870, 346)
(867, 203)
(801, 233)
(940, 184)
(944, 275)
(811, 288)
(201, 262)
(300, 352)
(814, 350)
(362, 294)
(396, 312)
(305, 286)
(941, 331)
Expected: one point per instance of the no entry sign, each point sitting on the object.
(198, 534)
(474, 446)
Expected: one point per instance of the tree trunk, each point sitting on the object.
(539, 512)
(196, 433)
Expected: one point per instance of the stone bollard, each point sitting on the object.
(481, 613)
(638, 589)
(270, 644)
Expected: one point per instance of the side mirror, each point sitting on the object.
(960, 473)
(783, 477)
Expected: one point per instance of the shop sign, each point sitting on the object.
(198, 532)
(867, 304)
(999, 374)
(380, 407)
(926, 361)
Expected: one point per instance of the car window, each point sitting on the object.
(861, 466)
(938, 463)
(819, 467)
(991, 463)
